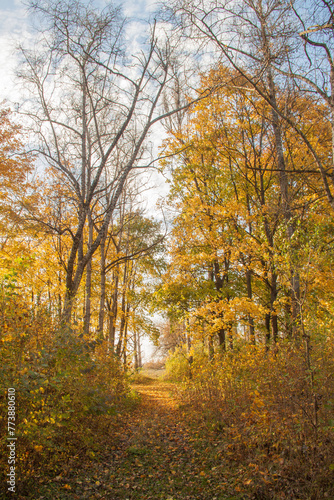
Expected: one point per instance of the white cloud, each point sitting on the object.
(141, 8)
(13, 30)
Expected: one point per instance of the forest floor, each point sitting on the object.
(154, 452)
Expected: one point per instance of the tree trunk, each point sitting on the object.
(123, 311)
(125, 341)
(135, 350)
(251, 328)
(139, 350)
(283, 178)
(113, 311)
(222, 339)
(88, 287)
(295, 290)
(273, 297)
(102, 285)
(267, 326)
(210, 348)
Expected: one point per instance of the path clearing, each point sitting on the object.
(156, 458)
(153, 452)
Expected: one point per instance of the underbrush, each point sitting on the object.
(272, 413)
(68, 393)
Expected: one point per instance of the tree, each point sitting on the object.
(257, 38)
(15, 189)
(261, 39)
(313, 71)
(92, 107)
(235, 265)
(15, 167)
(134, 262)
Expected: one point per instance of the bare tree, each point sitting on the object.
(262, 40)
(92, 106)
(313, 74)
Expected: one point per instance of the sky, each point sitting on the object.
(15, 27)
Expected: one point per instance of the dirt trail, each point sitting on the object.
(156, 457)
(152, 452)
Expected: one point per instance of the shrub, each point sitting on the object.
(273, 412)
(178, 365)
(68, 389)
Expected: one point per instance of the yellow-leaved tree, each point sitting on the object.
(236, 269)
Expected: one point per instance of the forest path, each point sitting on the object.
(155, 450)
(159, 456)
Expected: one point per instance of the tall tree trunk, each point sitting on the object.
(267, 327)
(125, 344)
(60, 304)
(210, 348)
(113, 311)
(249, 273)
(50, 301)
(283, 176)
(123, 324)
(295, 303)
(102, 285)
(88, 286)
(222, 339)
(123, 311)
(71, 283)
(125, 334)
(251, 328)
(139, 350)
(135, 350)
(273, 297)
